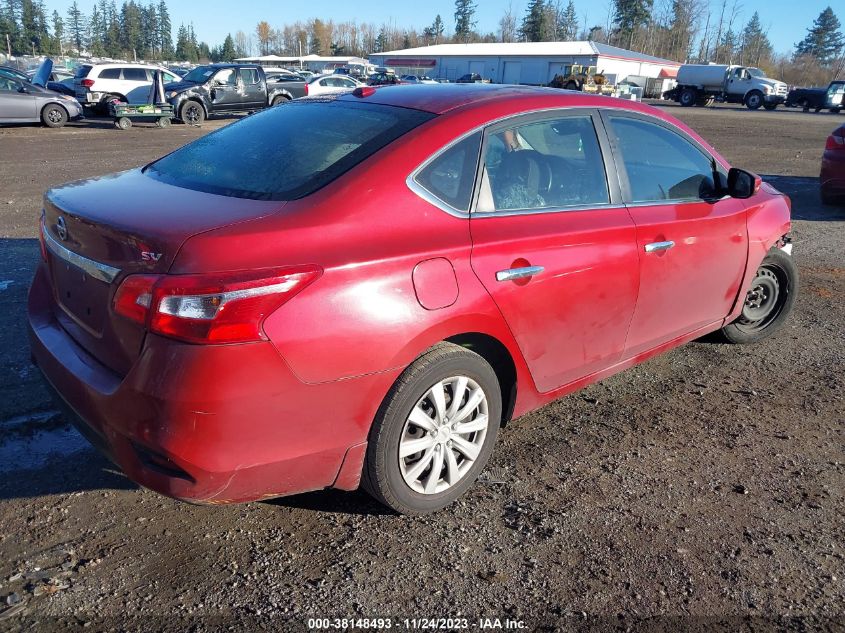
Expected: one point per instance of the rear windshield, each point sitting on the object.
(82, 71)
(285, 152)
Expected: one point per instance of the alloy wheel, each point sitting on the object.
(443, 435)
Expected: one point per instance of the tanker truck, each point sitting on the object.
(702, 84)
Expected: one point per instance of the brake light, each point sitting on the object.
(836, 140)
(87, 83)
(215, 308)
(306, 90)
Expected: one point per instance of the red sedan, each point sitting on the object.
(361, 290)
(832, 176)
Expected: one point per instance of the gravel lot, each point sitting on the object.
(702, 490)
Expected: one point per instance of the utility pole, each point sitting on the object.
(33, 47)
(8, 45)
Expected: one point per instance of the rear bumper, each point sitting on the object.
(207, 424)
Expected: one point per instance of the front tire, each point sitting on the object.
(770, 106)
(688, 97)
(434, 432)
(192, 113)
(54, 115)
(768, 301)
(754, 100)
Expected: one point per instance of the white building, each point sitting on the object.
(525, 62)
(315, 63)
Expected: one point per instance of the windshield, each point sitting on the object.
(756, 72)
(199, 75)
(285, 153)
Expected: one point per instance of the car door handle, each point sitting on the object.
(518, 273)
(659, 246)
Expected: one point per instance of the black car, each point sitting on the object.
(383, 79)
(470, 78)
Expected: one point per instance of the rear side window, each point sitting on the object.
(135, 74)
(249, 76)
(286, 153)
(661, 164)
(109, 73)
(450, 176)
(82, 71)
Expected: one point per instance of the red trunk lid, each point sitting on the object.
(98, 231)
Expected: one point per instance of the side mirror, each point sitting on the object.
(23, 90)
(743, 184)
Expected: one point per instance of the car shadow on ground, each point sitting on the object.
(806, 203)
(334, 501)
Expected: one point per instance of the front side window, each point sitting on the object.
(285, 153)
(450, 176)
(7, 84)
(661, 164)
(544, 164)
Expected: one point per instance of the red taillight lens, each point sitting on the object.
(88, 83)
(836, 140)
(134, 297)
(219, 308)
(306, 90)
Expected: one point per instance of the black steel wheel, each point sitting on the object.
(768, 302)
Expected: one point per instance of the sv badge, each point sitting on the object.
(147, 256)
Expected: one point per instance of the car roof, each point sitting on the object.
(441, 98)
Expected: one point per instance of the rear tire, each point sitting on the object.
(415, 414)
(770, 106)
(753, 100)
(688, 97)
(280, 100)
(192, 113)
(768, 301)
(54, 115)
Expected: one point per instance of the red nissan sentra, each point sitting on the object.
(362, 289)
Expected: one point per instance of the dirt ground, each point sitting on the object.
(702, 490)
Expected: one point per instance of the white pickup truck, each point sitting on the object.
(702, 84)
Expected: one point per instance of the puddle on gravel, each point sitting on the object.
(34, 450)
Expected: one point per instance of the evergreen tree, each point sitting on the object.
(567, 28)
(96, 32)
(58, 31)
(437, 28)
(228, 53)
(628, 16)
(755, 43)
(824, 40)
(165, 37)
(464, 19)
(76, 26)
(536, 25)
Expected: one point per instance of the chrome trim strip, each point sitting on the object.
(659, 246)
(480, 215)
(103, 272)
(518, 273)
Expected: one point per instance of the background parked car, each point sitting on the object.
(22, 101)
(417, 79)
(61, 81)
(383, 79)
(329, 84)
(817, 99)
(96, 85)
(471, 78)
(832, 175)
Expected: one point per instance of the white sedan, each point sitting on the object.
(417, 79)
(328, 84)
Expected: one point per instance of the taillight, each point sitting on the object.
(87, 83)
(41, 240)
(836, 140)
(306, 90)
(214, 308)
